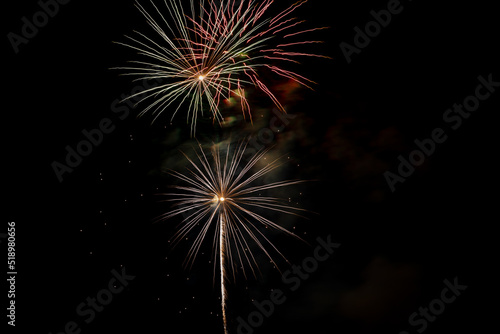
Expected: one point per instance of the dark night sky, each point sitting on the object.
(397, 248)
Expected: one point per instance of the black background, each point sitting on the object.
(397, 248)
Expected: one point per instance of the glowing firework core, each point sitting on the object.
(218, 199)
(201, 77)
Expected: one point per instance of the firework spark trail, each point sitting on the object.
(213, 52)
(222, 257)
(220, 190)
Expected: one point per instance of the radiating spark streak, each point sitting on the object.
(288, 11)
(300, 54)
(305, 31)
(288, 27)
(226, 44)
(221, 191)
(298, 43)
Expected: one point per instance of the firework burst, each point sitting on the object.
(213, 51)
(220, 193)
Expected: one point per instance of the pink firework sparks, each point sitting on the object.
(214, 50)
